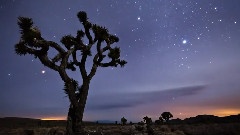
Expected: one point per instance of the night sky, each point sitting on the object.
(183, 56)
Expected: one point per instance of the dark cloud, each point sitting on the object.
(124, 100)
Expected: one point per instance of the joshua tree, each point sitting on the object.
(166, 116)
(72, 55)
(149, 123)
(147, 120)
(123, 121)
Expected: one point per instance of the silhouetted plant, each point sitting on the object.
(166, 116)
(139, 127)
(123, 121)
(72, 56)
(150, 130)
(147, 120)
(141, 123)
(159, 121)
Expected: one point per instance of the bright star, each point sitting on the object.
(43, 71)
(184, 41)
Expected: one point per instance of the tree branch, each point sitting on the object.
(94, 67)
(82, 66)
(87, 25)
(45, 61)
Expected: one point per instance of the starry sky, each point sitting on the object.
(183, 57)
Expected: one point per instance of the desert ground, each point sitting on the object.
(135, 129)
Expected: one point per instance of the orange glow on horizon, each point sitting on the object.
(227, 112)
(54, 118)
(193, 111)
(215, 112)
(178, 112)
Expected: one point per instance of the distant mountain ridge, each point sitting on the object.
(105, 121)
(207, 119)
(19, 118)
(15, 122)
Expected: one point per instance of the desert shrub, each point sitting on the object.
(56, 131)
(165, 128)
(41, 131)
(139, 127)
(150, 130)
(28, 132)
(178, 132)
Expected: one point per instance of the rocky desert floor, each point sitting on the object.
(111, 129)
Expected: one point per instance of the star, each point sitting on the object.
(43, 72)
(139, 18)
(184, 41)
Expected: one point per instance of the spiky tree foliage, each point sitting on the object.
(166, 116)
(68, 58)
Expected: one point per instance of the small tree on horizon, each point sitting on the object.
(166, 116)
(72, 56)
(147, 120)
(123, 121)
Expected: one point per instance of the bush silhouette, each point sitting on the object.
(123, 121)
(166, 116)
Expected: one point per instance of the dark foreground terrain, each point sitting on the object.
(198, 129)
(200, 125)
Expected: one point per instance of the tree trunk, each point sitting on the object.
(70, 116)
(75, 113)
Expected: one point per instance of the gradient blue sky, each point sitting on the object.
(183, 57)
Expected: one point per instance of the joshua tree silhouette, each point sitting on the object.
(72, 56)
(147, 120)
(166, 116)
(123, 121)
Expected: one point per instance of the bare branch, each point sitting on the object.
(94, 67)
(56, 46)
(46, 62)
(87, 26)
(82, 66)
